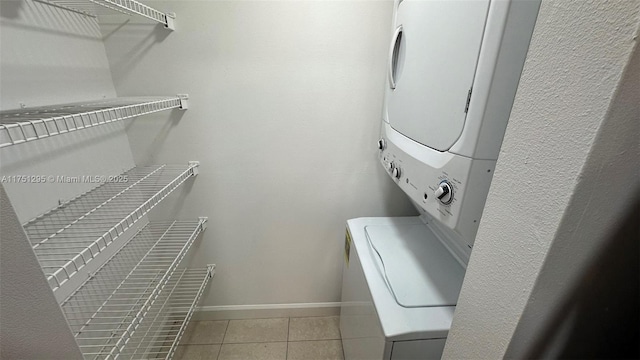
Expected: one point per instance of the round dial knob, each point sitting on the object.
(396, 172)
(382, 144)
(444, 193)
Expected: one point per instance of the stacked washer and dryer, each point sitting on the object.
(454, 68)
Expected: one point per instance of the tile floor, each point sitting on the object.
(296, 338)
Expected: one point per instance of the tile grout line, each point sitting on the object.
(341, 344)
(226, 327)
(315, 340)
(226, 330)
(219, 351)
(286, 354)
(253, 342)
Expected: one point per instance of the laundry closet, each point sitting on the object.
(171, 162)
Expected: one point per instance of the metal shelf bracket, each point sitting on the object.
(195, 165)
(211, 269)
(171, 21)
(184, 101)
(203, 222)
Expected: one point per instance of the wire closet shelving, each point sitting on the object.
(22, 125)
(129, 7)
(138, 304)
(120, 280)
(66, 238)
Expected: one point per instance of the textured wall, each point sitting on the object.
(576, 59)
(286, 98)
(587, 233)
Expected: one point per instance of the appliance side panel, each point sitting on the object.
(362, 336)
(418, 349)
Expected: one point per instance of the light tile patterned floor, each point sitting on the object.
(307, 338)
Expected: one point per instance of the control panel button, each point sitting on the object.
(444, 192)
(391, 166)
(382, 144)
(396, 173)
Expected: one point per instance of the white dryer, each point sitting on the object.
(454, 67)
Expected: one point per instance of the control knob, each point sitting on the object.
(444, 193)
(396, 173)
(382, 144)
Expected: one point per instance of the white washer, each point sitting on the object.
(399, 290)
(454, 67)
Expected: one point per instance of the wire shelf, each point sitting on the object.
(136, 8)
(129, 7)
(159, 338)
(20, 126)
(68, 237)
(138, 303)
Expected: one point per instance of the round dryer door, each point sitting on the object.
(433, 57)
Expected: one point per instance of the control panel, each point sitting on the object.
(452, 189)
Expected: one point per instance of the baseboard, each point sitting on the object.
(232, 312)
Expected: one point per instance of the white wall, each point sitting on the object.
(50, 56)
(567, 170)
(285, 111)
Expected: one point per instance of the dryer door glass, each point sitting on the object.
(432, 66)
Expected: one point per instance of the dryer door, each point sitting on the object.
(432, 64)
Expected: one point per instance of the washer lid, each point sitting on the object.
(433, 58)
(419, 270)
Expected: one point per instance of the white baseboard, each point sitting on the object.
(233, 312)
